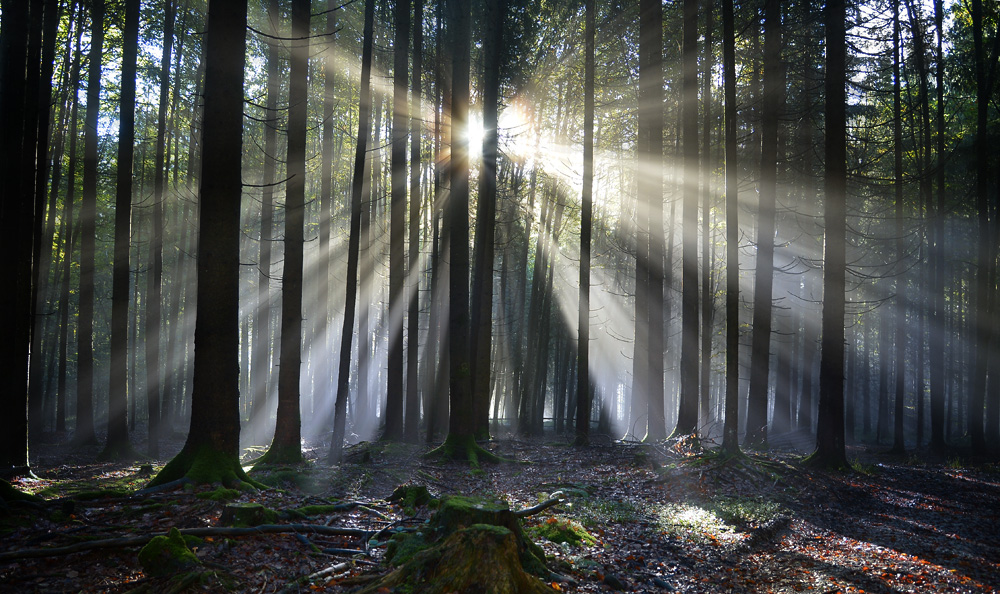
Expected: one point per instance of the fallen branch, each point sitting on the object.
(135, 541)
(530, 511)
(293, 586)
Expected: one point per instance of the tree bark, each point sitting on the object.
(412, 420)
(730, 430)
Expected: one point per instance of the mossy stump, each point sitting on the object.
(166, 555)
(482, 558)
(247, 514)
(471, 544)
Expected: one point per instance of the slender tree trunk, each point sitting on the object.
(937, 338)
(730, 431)
(353, 241)
(760, 353)
(412, 426)
(584, 389)
(88, 230)
(830, 428)
(397, 222)
(649, 345)
(286, 446)
(323, 375)
(482, 279)
(901, 306)
(984, 256)
(687, 415)
(707, 294)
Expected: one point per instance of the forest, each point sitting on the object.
(500, 295)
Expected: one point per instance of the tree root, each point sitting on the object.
(136, 541)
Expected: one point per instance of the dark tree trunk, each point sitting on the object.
(211, 452)
(262, 351)
(412, 426)
(117, 446)
(482, 278)
(760, 352)
(397, 221)
(707, 294)
(730, 431)
(584, 389)
(354, 237)
(155, 279)
(649, 347)
(88, 221)
(937, 338)
(901, 306)
(830, 419)
(687, 414)
(286, 447)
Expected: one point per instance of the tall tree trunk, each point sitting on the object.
(649, 263)
(707, 172)
(211, 452)
(397, 221)
(262, 351)
(482, 278)
(88, 231)
(286, 447)
(354, 237)
(984, 255)
(897, 136)
(323, 375)
(155, 278)
(760, 352)
(730, 430)
(117, 446)
(830, 419)
(687, 414)
(584, 388)
(412, 426)
(937, 338)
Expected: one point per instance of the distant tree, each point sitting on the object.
(584, 389)
(354, 238)
(286, 447)
(830, 419)
(211, 452)
(117, 446)
(88, 235)
(708, 197)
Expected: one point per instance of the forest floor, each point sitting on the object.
(666, 518)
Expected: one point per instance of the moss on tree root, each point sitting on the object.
(482, 558)
(279, 454)
(205, 465)
(463, 448)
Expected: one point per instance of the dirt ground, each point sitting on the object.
(666, 518)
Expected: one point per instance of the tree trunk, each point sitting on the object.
(412, 426)
(760, 352)
(397, 222)
(354, 238)
(687, 414)
(730, 431)
(707, 294)
(584, 389)
(649, 347)
(211, 452)
(88, 230)
(286, 447)
(830, 419)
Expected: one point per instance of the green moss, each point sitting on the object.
(220, 494)
(247, 514)
(280, 454)
(9, 493)
(560, 530)
(410, 497)
(404, 546)
(205, 465)
(482, 558)
(463, 448)
(164, 555)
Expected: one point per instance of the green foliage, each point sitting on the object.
(220, 494)
(410, 497)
